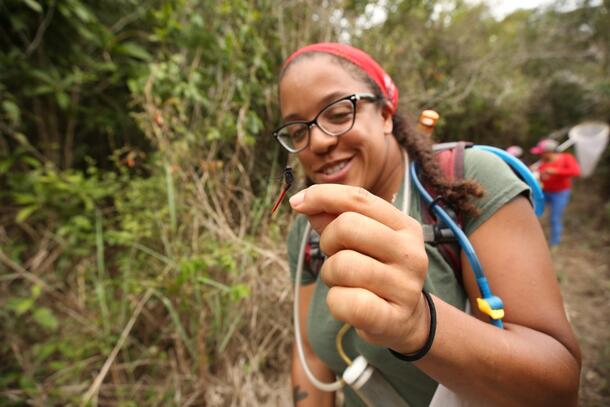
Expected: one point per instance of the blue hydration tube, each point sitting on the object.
(489, 303)
(523, 172)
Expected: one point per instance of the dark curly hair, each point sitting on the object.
(460, 195)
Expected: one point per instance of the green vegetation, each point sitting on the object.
(139, 264)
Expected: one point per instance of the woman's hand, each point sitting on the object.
(376, 264)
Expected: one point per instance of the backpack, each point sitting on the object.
(450, 157)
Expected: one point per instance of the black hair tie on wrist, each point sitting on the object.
(412, 357)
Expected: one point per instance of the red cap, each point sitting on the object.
(544, 146)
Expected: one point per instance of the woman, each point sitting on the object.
(340, 117)
(556, 171)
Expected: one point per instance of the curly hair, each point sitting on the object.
(459, 195)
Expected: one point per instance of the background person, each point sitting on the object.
(515, 151)
(556, 171)
(340, 117)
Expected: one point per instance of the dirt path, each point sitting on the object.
(582, 263)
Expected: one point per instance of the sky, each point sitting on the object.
(502, 8)
(498, 8)
(376, 14)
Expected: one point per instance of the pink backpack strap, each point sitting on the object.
(314, 257)
(450, 157)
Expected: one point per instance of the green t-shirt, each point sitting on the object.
(501, 185)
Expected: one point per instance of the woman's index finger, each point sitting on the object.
(334, 199)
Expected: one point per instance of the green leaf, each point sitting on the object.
(62, 100)
(31, 161)
(82, 12)
(45, 318)
(12, 111)
(239, 291)
(43, 76)
(24, 199)
(133, 50)
(36, 291)
(25, 213)
(34, 5)
(42, 90)
(82, 222)
(20, 305)
(57, 364)
(213, 134)
(22, 139)
(6, 164)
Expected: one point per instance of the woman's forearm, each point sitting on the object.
(514, 367)
(535, 359)
(303, 392)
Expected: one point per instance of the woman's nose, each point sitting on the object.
(320, 142)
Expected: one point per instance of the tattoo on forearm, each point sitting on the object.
(298, 394)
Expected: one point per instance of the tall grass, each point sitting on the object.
(156, 293)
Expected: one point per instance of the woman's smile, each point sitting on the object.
(334, 171)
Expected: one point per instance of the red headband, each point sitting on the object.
(359, 58)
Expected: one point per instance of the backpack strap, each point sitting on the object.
(450, 157)
(313, 254)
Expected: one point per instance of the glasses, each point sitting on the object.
(335, 119)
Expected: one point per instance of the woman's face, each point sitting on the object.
(548, 156)
(355, 158)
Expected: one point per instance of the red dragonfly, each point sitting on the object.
(288, 178)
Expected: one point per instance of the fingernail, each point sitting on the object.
(297, 199)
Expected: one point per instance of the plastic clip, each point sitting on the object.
(439, 199)
(491, 306)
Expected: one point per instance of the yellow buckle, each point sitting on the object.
(485, 308)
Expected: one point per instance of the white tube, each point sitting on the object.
(297, 323)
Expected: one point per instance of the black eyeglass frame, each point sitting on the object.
(354, 98)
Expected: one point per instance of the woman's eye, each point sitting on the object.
(338, 115)
(342, 116)
(298, 134)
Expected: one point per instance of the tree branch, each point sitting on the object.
(41, 30)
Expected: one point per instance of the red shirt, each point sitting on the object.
(564, 167)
